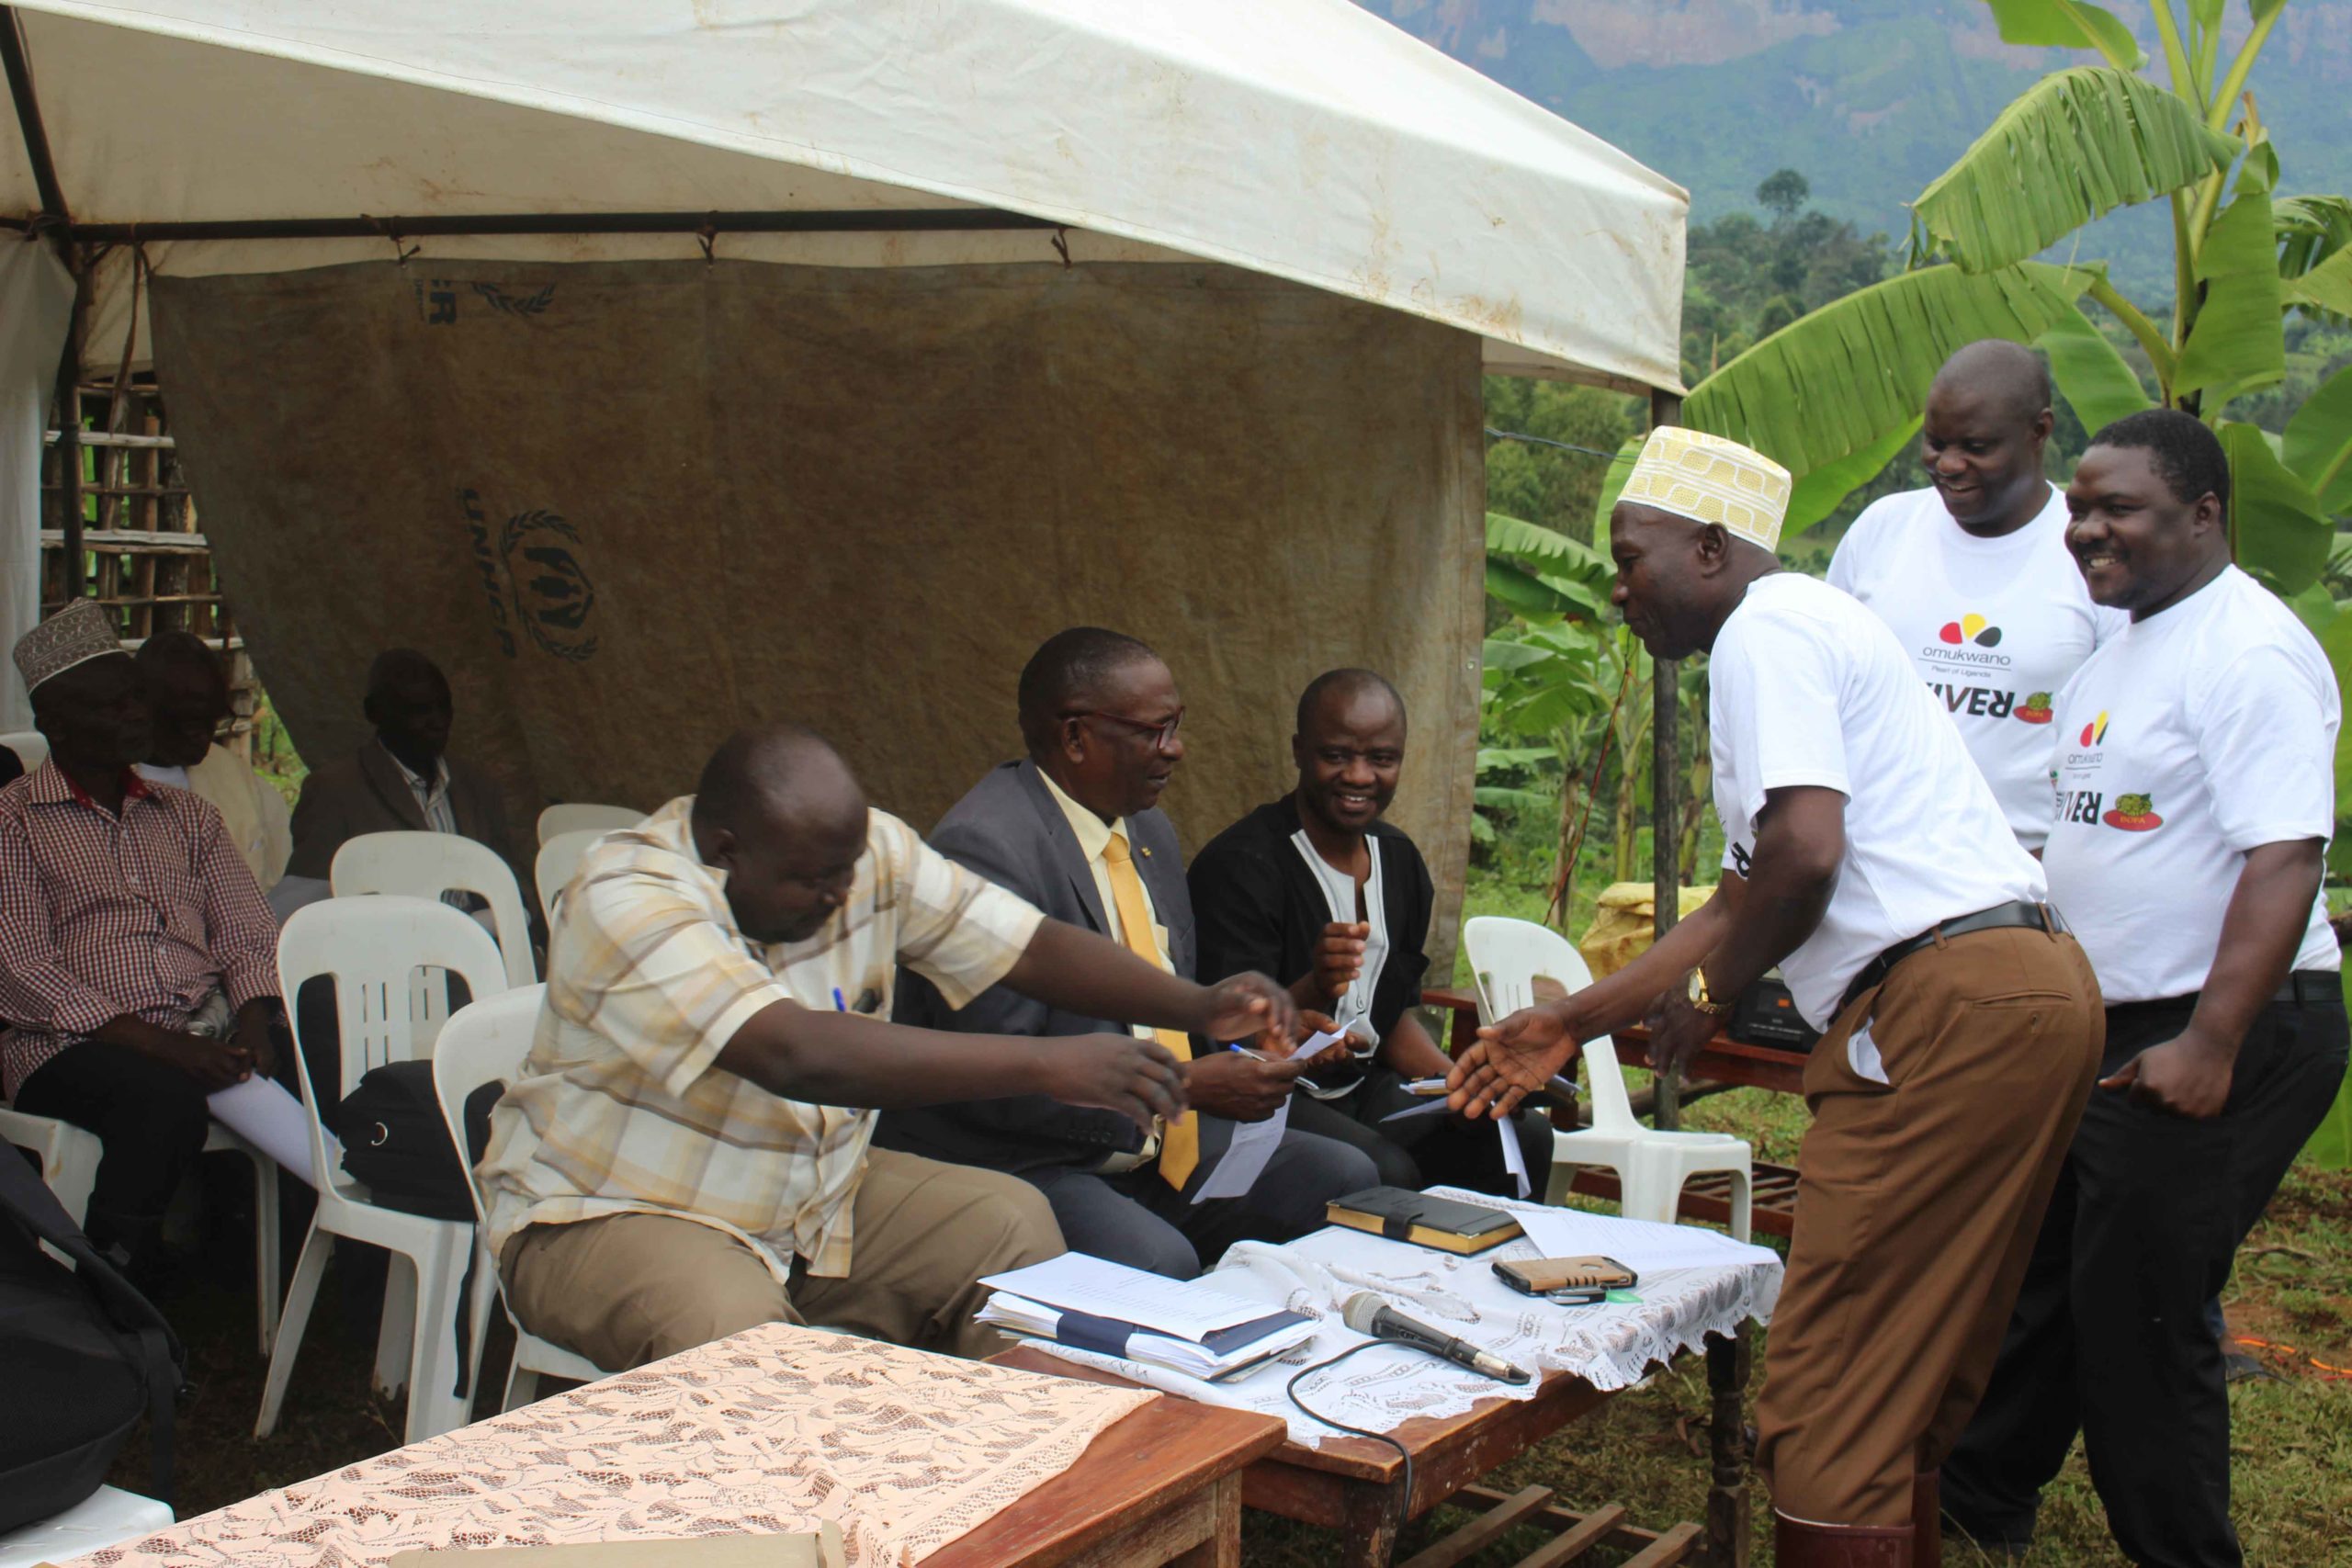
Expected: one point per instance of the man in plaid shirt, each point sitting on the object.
(138, 963)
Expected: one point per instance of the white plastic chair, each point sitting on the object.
(571, 818)
(108, 1517)
(68, 1156)
(69, 1164)
(1507, 957)
(425, 865)
(372, 947)
(30, 746)
(558, 858)
(486, 1043)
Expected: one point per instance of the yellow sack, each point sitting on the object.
(1622, 924)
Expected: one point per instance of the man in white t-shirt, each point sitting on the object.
(1867, 857)
(1974, 576)
(2196, 798)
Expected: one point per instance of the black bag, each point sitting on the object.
(81, 1347)
(395, 1140)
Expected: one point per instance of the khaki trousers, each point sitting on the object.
(1918, 1202)
(629, 1289)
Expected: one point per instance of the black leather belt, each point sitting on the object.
(2311, 986)
(2000, 915)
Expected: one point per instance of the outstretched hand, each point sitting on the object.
(1510, 1060)
(1138, 1079)
(1251, 1009)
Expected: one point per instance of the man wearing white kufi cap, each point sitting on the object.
(138, 962)
(1866, 856)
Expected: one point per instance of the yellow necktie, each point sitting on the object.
(1179, 1143)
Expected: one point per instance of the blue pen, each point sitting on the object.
(839, 1005)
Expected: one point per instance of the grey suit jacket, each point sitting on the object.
(1010, 830)
(366, 793)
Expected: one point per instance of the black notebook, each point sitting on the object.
(1446, 1223)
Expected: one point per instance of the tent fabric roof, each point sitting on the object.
(1302, 139)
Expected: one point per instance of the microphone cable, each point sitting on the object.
(1290, 1392)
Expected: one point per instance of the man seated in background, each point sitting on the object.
(400, 779)
(137, 959)
(1316, 889)
(684, 1152)
(189, 693)
(1075, 829)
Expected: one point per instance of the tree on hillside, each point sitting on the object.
(1782, 193)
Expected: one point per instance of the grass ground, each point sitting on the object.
(2292, 1443)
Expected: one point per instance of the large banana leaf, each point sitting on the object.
(2077, 145)
(2093, 379)
(1816, 495)
(2274, 518)
(1538, 596)
(1612, 484)
(1838, 380)
(2068, 24)
(1545, 549)
(2318, 444)
(2327, 286)
(2311, 228)
(2235, 346)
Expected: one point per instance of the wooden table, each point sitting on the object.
(1162, 1485)
(1356, 1486)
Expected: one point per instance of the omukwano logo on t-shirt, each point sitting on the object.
(2094, 731)
(1971, 627)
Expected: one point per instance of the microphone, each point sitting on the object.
(1368, 1313)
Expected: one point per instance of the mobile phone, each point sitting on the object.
(1590, 1277)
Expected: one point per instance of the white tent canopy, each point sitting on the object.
(1302, 139)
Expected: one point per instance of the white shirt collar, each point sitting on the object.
(1094, 833)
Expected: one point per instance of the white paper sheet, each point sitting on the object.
(1245, 1158)
(1513, 1160)
(1078, 1282)
(273, 1121)
(1643, 1246)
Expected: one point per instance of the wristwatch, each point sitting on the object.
(1700, 1000)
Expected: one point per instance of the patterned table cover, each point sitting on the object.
(776, 1428)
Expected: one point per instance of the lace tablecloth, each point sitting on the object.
(1611, 1345)
(774, 1429)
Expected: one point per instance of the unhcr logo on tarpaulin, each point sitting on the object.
(533, 577)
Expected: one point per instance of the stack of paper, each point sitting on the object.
(1094, 1304)
(1644, 1245)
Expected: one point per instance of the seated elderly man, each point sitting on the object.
(189, 693)
(401, 779)
(137, 960)
(684, 1153)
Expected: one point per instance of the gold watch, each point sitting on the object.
(1700, 1000)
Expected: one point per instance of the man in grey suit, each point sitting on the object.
(1075, 829)
(399, 779)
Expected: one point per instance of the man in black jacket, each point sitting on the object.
(1075, 829)
(1316, 890)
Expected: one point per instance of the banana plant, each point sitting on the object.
(1839, 391)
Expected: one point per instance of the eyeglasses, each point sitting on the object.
(1162, 732)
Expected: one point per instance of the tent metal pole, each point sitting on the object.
(1665, 796)
(872, 221)
(20, 90)
(68, 414)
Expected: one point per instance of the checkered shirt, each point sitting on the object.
(146, 913)
(619, 1108)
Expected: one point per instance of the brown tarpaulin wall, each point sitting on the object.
(629, 507)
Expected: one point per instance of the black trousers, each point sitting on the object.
(1425, 1151)
(150, 1121)
(2109, 1336)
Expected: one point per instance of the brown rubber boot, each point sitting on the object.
(1926, 1520)
(1797, 1544)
